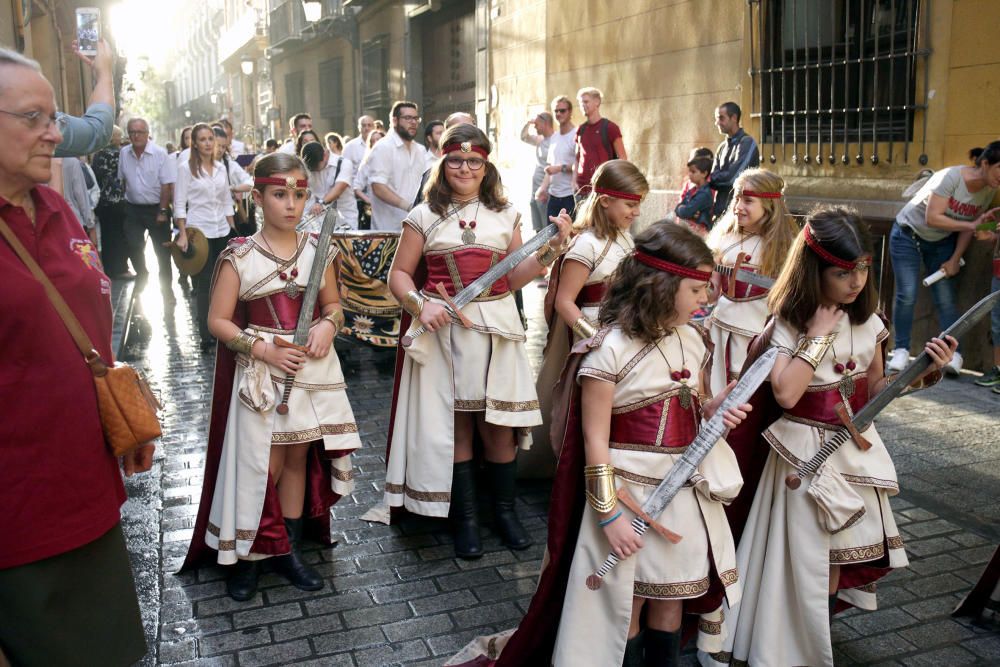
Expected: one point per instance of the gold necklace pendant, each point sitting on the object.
(846, 387)
(468, 235)
(292, 289)
(685, 396)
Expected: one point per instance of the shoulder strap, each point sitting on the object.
(759, 344)
(337, 173)
(604, 140)
(93, 359)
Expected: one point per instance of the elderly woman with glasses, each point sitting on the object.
(65, 579)
(469, 374)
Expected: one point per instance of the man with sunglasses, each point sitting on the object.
(395, 167)
(557, 187)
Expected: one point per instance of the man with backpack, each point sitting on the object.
(597, 140)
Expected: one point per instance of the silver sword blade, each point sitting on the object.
(708, 435)
(755, 279)
(315, 277)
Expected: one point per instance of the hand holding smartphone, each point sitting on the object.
(88, 30)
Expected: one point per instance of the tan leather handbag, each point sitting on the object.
(126, 404)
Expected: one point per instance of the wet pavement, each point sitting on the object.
(397, 595)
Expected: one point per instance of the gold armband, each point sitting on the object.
(584, 328)
(336, 318)
(812, 349)
(600, 487)
(547, 254)
(413, 303)
(242, 342)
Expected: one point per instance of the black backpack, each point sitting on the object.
(608, 148)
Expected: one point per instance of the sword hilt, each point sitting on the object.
(408, 339)
(794, 480)
(282, 408)
(594, 581)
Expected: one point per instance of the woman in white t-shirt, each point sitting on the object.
(203, 201)
(934, 229)
(330, 179)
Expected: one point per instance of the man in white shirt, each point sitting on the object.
(557, 186)
(147, 174)
(354, 150)
(396, 165)
(299, 123)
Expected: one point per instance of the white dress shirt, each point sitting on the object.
(288, 148)
(354, 150)
(205, 201)
(321, 182)
(391, 164)
(144, 175)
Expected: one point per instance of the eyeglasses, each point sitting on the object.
(410, 119)
(561, 110)
(137, 132)
(38, 121)
(474, 163)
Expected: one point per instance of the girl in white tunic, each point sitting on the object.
(469, 374)
(805, 550)
(579, 278)
(273, 466)
(642, 395)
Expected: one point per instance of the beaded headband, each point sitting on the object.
(465, 147)
(670, 267)
(760, 195)
(288, 181)
(830, 258)
(618, 194)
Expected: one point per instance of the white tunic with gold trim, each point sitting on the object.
(318, 408)
(840, 517)
(735, 321)
(650, 430)
(482, 369)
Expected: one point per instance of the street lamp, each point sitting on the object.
(313, 10)
(246, 64)
(187, 113)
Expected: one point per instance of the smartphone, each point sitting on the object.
(88, 29)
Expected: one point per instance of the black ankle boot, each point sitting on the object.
(634, 651)
(464, 522)
(242, 582)
(291, 566)
(503, 479)
(663, 649)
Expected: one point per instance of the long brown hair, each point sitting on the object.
(619, 175)
(437, 192)
(640, 299)
(777, 227)
(798, 291)
(194, 157)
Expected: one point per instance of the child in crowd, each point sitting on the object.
(579, 278)
(804, 551)
(268, 471)
(695, 206)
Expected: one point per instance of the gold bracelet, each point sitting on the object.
(600, 487)
(413, 303)
(242, 342)
(336, 318)
(812, 349)
(584, 328)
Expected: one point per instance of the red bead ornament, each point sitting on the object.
(838, 367)
(678, 376)
(851, 365)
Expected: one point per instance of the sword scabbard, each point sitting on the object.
(845, 419)
(628, 501)
(443, 293)
(741, 259)
(281, 342)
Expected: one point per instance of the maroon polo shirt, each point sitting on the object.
(591, 151)
(60, 487)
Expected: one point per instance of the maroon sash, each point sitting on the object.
(276, 311)
(819, 405)
(591, 295)
(469, 263)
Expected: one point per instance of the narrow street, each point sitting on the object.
(397, 595)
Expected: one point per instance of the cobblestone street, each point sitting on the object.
(396, 595)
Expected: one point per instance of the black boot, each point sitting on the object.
(503, 479)
(242, 582)
(634, 652)
(663, 649)
(464, 522)
(832, 601)
(291, 565)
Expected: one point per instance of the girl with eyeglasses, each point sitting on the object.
(467, 379)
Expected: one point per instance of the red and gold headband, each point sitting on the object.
(288, 181)
(465, 147)
(760, 195)
(670, 267)
(830, 258)
(618, 194)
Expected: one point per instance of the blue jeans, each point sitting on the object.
(907, 251)
(556, 204)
